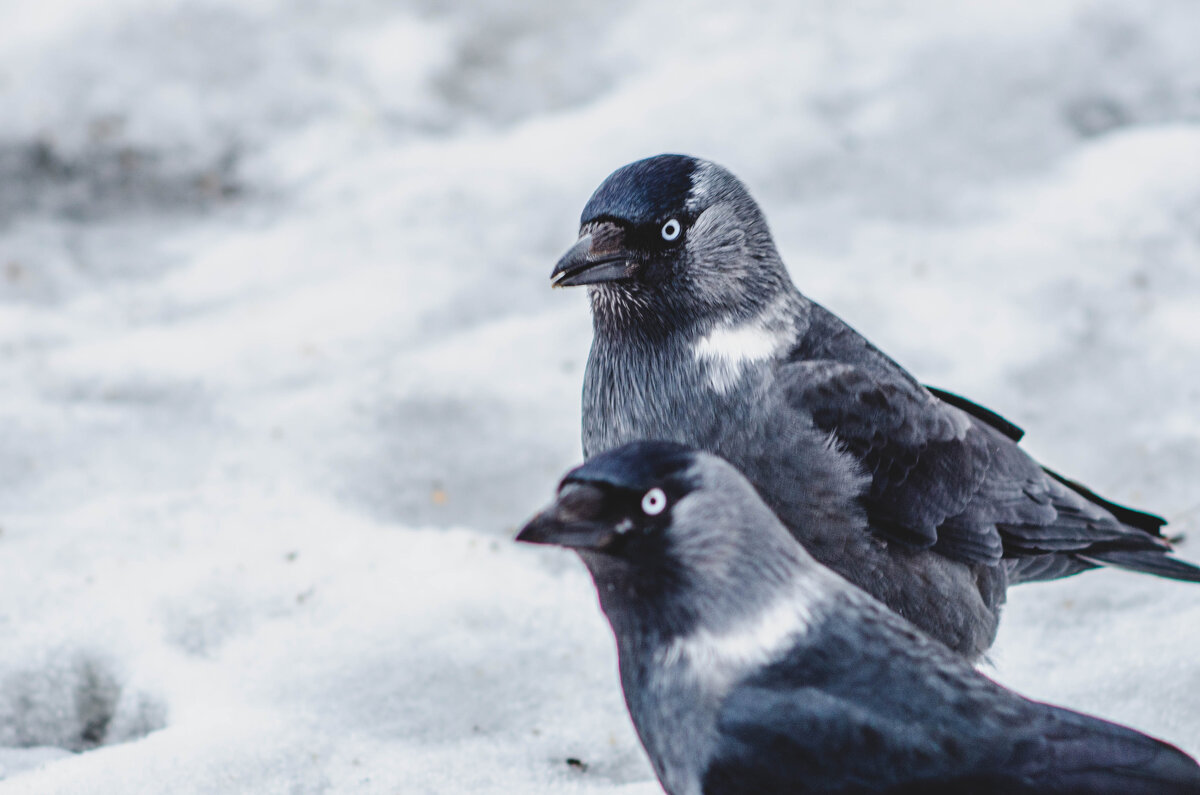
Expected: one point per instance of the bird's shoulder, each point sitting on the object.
(867, 702)
(827, 346)
(827, 337)
(848, 383)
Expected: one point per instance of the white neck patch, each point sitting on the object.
(722, 657)
(728, 349)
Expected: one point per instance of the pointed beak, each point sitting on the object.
(572, 521)
(598, 256)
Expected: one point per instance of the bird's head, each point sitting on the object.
(656, 522)
(673, 239)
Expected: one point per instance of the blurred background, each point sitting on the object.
(281, 371)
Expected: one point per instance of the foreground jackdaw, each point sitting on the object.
(916, 495)
(748, 667)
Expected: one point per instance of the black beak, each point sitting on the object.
(594, 259)
(573, 520)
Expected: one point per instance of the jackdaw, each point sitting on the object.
(748, 667)
(916, 495)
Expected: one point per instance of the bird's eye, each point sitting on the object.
(654, 501)
(671, 230)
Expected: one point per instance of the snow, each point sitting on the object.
(283, 371)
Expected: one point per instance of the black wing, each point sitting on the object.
(1149, 522)
(954, 480)
(928, 461)
(873, 706)
(806, 740)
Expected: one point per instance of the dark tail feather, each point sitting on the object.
(1151, 523)
(1145, 561)
(1036, 568)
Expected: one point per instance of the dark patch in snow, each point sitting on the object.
(1092, 116)
(508, 59)
(108, 179)
(75, 701)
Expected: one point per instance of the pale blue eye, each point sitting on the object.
(671, 230)
(654, 501)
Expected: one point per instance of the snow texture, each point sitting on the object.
(282, 370)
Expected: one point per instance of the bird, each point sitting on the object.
(917, 495)
(748, 667)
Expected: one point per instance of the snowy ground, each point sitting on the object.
(282, 371)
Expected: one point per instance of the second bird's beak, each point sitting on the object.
(572, 521)
(598, 256)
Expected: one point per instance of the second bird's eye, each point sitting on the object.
(671, 230)
(654, 501)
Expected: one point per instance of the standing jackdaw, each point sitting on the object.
(748, 667)
(918, 496)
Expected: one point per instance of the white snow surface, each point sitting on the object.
(282, 369)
